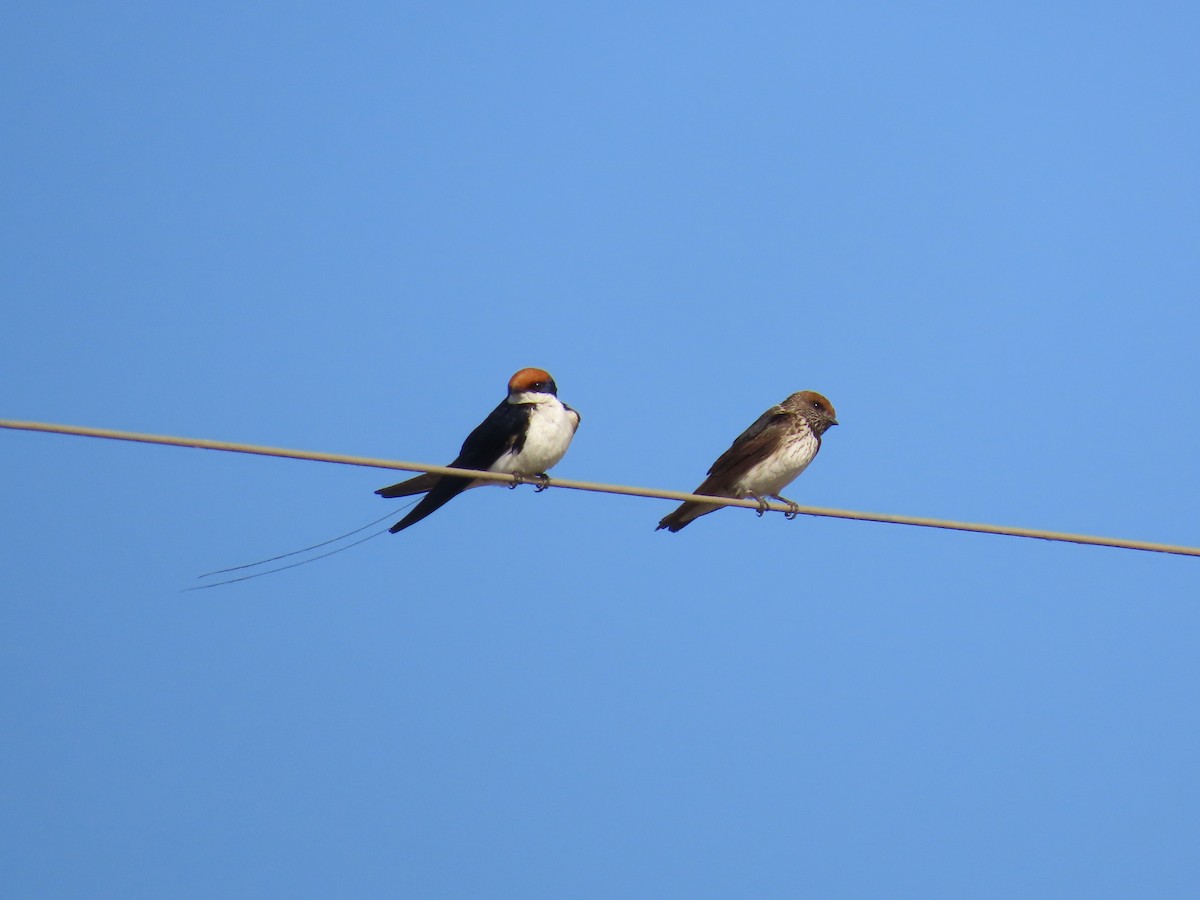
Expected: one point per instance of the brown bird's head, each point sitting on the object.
(817, 411)
(533, 381)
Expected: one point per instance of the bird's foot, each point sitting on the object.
(792, 505)
(540, 481)
(762, 505)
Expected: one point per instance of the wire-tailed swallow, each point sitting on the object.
(765, 458)
(526, 434)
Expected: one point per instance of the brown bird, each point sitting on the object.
(766, 457)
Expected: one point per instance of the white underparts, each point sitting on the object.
(551, 427)
(771, 475)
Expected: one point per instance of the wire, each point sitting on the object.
(657, 493)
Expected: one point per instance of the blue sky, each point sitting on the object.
(973, 228)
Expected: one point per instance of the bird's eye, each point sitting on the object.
(817, 404)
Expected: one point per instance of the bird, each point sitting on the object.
(765, 458)
(527, 434)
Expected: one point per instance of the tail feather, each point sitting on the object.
(686, 513)
(443, 491)
(418, 485)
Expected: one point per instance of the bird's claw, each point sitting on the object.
(762, 506)
(793, 508)
(540, 481)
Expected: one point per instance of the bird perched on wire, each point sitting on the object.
(527, 434)
(765, 458)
